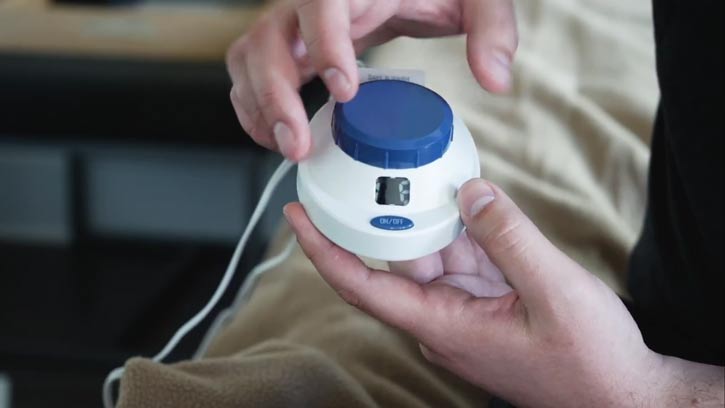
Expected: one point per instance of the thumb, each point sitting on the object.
(531, 264)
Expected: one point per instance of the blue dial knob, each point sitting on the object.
(393, 125)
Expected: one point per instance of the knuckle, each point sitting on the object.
(350, 297)
(318, 255)
(315, 44)
(255, 127)
(238, 106)
(236, 50)
(262, 28)
(255, 116)
(253, 38)
(505, 237)
(260, 133)
(425, 275)
(249, 117)
(325, 45)
(269, 99)
(234, 94)
(563, 340)
(321, 45)
(301, 4)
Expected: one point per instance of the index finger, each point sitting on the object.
(393, 299)
(492, 41)
(325, 29)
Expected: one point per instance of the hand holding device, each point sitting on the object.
(506, 310)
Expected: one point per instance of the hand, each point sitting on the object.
(298, 39)
(504, 309)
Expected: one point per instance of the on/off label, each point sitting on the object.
(391, 223)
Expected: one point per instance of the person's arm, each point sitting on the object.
(515, 316)
(690, 384)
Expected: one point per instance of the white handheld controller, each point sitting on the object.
(384, 169)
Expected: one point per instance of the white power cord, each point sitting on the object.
(272, 184)
(243, 295)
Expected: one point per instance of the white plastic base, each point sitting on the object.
(338, 194)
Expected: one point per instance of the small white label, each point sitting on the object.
(409, 75)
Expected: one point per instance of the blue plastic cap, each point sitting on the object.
(393, 125)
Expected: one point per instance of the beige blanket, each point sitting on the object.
(569, 145)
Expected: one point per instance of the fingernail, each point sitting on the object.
(284, 211)
(336, 81)
(475, 196)
(299, 49)
(499, 68)
(285, 139)
(287, 216)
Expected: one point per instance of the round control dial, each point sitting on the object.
(393, 125)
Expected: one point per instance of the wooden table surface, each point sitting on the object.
(166, 32)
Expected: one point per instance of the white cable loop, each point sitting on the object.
(272, 184)
(244, 294)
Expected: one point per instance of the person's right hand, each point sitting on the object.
(506, 310)
(297, 40)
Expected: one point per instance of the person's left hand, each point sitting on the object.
(504, 309)
(298, 39)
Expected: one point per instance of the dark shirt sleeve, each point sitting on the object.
(676, 269)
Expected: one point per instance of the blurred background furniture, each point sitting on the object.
(125, 181)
